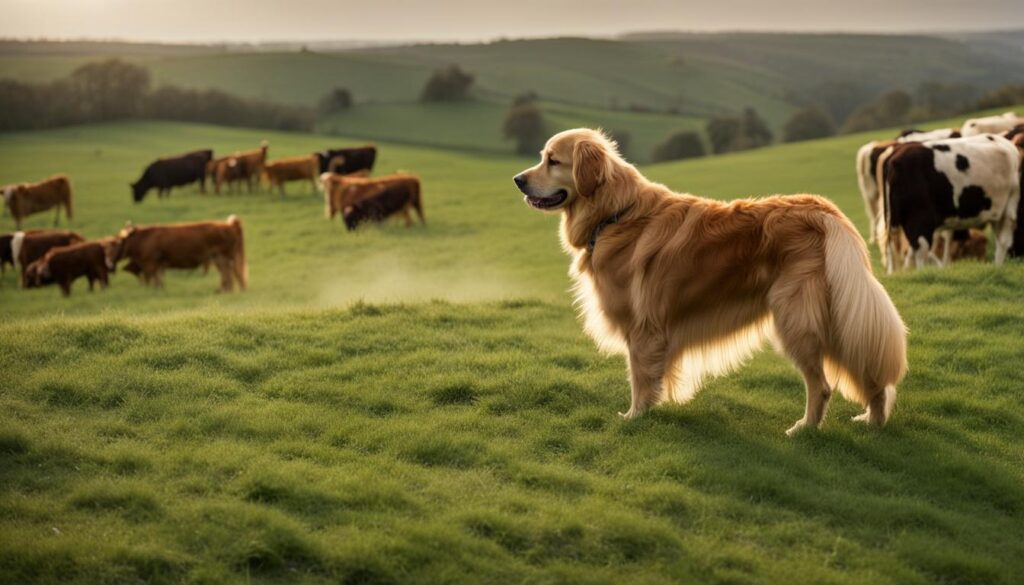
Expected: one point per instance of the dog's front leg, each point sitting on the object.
(646, 371)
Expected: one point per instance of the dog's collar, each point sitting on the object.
(611, 219)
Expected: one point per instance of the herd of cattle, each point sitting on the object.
(51, 256)
(929, 195)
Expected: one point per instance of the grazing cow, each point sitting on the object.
(947, 185)
(387, 201)
(867, 161)
(150, 250)
(991, 124)
(31, 245)
(914, 135)
(295, 168)
(347, 160)
(65, 264)
(341, 191)
(24, 199)
(963, 244)
(175, 171)
(241, 166)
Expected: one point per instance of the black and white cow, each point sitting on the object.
(914, 135)
(945, 185)
(990, 124)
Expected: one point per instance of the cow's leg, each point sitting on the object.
(647, 365)
(947, 240)
(1004, 236)
(65, 287)
(407, 216)
(921, 252)
(224, 268)
(282, 189)
(56, 217)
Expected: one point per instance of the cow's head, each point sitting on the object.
(138, 191)
(38, 274)
(352, 216)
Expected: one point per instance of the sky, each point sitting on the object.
(476, 20)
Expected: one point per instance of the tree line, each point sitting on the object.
(118, 90)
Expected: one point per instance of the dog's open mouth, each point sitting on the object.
(550, 202)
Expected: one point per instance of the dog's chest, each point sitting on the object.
(602, 308)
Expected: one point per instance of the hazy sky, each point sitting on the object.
(261, 20)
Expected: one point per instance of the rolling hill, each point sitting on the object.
(420, 405)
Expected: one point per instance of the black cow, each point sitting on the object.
(174, 171)
(347, 160)
(946, 185)
(6, 254)
(392, 199)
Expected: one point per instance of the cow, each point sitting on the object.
(914, 135)
(394, 198)
(347, 160)
(295, 168)
(65, 264)
(946, 185)
(153, 249)
(24, 199)
(1014, 132)
(991, 124)
(341, 191)
(963, 245)
(174, 171)
(31, 245)
(241, 166)
(867, 161)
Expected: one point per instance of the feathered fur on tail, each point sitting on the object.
(867, 345)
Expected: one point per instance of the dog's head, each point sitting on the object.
(574, 165)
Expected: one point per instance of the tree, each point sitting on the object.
(723, 133)
(1007, 95)
(337, 100)
(754, 131)
(447, 84)
(807, 124)
(524, 123)
(839, 98)
(679, 145)
(891, 108)
(525, 98)
(111, 89)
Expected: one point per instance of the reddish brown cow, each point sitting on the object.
(341, 191)
(185, 246)
(31, 245)
(295, 168)
(65, 264)
(24, 199)
(241, 166)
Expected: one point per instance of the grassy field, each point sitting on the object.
(420, 406)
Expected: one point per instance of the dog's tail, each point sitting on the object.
(867, 354)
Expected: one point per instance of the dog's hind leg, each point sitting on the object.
(799, 306)
(647, 365)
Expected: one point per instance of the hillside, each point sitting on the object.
(336, 424)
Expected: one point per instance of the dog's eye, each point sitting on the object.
(552, 162)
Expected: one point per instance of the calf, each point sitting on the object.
(24, 199)
(947, 185)
(296, 168)
(31, 245)
(341, 191)
(65, 264)
(991, 124)
(153, 249)
(241, 166)
(391, 199)
(175, 171)
(347, 160)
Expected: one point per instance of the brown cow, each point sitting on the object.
(240, 166)
(31, 245)
(393, 198)
(24, 199)
(341, 191)
(153, 249)
(964, 244)
(295, 168)
(65, 264)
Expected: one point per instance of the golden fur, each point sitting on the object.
(688, 287)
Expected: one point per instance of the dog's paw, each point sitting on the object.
(864, 417)
(800, 424)
(631, 413)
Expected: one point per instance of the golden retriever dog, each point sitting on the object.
(688, 287)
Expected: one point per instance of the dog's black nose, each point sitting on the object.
(520, 180)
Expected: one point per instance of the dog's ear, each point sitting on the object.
(589, 166)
